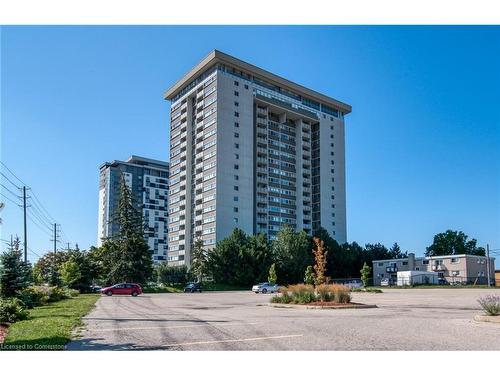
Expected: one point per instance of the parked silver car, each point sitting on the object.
(265, 288)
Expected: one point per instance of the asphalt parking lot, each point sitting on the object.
(406, 319)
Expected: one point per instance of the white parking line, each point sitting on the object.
(229, 340)
(169, 327)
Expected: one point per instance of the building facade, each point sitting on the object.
(147, 179)
(252, 150)
(463, 269)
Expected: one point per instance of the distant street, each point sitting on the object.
(417, 319)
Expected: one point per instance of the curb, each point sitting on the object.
(487, 318)
(313, 307)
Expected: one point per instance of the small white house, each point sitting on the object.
(416, 277)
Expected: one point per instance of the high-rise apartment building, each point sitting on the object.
(252, 150)
(147, 179)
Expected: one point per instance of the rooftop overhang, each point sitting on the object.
(216, 56)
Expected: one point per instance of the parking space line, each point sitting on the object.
(229, 340)
(169, 327)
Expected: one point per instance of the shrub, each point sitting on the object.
(324, 293)
(70, 293)
(367, 290)
(490, 304)
(301, 293)
(283, 298)
(33, 296)
(57, 293)
(12, 310)
(334, 292)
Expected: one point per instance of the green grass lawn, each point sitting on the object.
(49, 327)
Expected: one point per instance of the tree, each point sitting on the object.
(166, 274)
(47, 268)
(228, 262)
(14, 273)
(453, 243)
(396, 253)
(292, 255)
(309, 276)
(319, 261)
(199, 259)
(126, 256)
(70, 274)
(272, 278)
(366, 272)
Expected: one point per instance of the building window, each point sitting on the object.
(236, 145)
(425, 261)
(235, 220)
(237, 156)
(236, 177)
(236, 83)
(455, 273)
(381, 264)
(236, 124)
(417, 268)
(405, 263)
(235, 199)
(235, 209)
(236, 114)
(246, 87)
(236, 104)
(236, 188)
(236, 166)
(454, 260)
(236, 135)
(236, 93)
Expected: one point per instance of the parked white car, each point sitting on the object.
(265, 288)
(385, 282)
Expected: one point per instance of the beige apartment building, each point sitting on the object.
(251, 150)
(463, 269)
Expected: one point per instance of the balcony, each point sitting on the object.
(391, 269)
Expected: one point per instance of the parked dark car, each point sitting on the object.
(192, 287)
(123, 289)
(95, 288)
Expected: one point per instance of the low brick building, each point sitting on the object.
(463, 269)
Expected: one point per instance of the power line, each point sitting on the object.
(43, 208)
(40, 220)
(39, 210)
(43, 229)
(10, 191)
(6, 197)
(8, 179)
(13, 174)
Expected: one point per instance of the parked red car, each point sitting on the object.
(123, 289)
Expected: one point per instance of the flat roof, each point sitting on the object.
(433, 257)
(137, 160)
(216, 56)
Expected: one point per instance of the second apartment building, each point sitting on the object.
(252, 150)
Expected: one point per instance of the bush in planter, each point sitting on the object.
(490, 305)
(12, 310)
(301, 293)
(334, 292)
(283, 298)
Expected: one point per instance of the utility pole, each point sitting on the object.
(488, 263)
(25, 227)
(55, 238)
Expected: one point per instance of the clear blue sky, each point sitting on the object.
(422, 142)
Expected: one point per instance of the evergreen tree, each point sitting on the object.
(14, 273)
(396, 253)
(309, 276)
(199, 260)
(366, 273)
(127, 257)
(272, 278)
